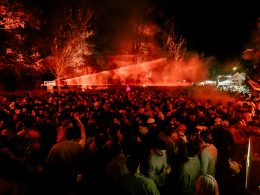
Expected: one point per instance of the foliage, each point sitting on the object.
(13, 15)
(70, 46)
(17, 26)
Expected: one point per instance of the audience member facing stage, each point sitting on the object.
(66, 158)
(189, 169)
(158, 168)
(135, 183)
(206, 185)
(208, 154)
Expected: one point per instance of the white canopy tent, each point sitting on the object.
(236, 79)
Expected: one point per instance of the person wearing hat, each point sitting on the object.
(150, 120)
(152, 127)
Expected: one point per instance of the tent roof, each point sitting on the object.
(237, 76)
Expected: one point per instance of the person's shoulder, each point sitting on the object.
(145, 180)
(204, 151)
(57, 145)
(63, 144)
(213, 147)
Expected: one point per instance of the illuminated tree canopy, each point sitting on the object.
(18, 25)
(13, 16)
(53, 45)
(70, 45)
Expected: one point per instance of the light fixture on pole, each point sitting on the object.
(234, 69)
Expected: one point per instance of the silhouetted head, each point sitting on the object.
(132, 163)
(72, 133)
(206, 185)
(206, 136)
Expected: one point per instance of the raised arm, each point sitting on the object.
(83, 138)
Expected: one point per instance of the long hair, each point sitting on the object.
(206, 185)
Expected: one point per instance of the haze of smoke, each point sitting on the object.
(210, 92)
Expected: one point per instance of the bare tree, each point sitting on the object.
(70, 45)
(175, 45)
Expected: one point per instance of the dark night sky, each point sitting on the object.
(216, 27)
(220, 28)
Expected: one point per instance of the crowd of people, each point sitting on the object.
(150, 140)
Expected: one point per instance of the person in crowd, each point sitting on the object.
(135, 183)
(158, 168)
(189, 169)
(141, 116)
(116, 169)
(208, 154)
(65, 159)
(206, 185)
(173, 143)
(115, 128)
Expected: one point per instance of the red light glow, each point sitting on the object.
(151, 73)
